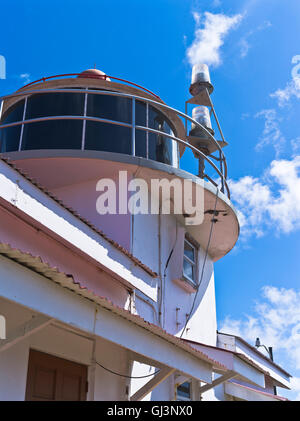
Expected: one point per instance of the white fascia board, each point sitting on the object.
(247, 372)
(27, 288)
(247, 394)
(17, 190)
(227, 358)
(275, 373)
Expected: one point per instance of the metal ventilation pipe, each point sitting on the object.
(200, 79)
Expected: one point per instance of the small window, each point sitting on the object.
(183, 392)
(189, 261)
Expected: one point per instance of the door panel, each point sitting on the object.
(55, 379)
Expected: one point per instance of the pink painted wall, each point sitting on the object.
(73, 180)
(22, 236)
(82, 197)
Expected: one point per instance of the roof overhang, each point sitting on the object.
(249, 394)
(41, 163)
(280, 377)
(243, 369)
(29, 282)
(44, 212)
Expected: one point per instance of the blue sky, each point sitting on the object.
(257, 99)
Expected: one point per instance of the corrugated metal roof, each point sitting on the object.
(242, 356)
(67, 281)
(81, 218)
(260, 354)
(277, 397)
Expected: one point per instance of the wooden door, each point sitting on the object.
(51, 378)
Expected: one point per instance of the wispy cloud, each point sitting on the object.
(25, 77)
(211, 30)
(295, 144)
(271, 134)
(245, 40)
(272, 202)
(292, 88)
(276, 321)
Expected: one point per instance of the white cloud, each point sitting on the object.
(25, 77)
(272, 202)
(295, 144)
(276, 321)
(292, 88)
(295, 386)
(245, 47)
(197, 17)
(271, 133)
(210, 37)
(283, 96)
(244, 42)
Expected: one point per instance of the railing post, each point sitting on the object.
(221, 169)
(22, 127)
(147, 132)
(133, 128)
(84, 121)
(1, 107)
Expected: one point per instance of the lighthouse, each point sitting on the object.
(108, 247)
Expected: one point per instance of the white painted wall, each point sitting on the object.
(71, 345)
(154, 237)
(13, 369)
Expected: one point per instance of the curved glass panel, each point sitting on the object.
(10, 137)
(140, 113)
(141, 143)
(54, 104)
(107, 137)
(92, 135)
(160, 147)
(157, 147)
(52, 134)
(110, 107)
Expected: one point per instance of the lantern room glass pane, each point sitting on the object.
(52, 134)
(140, 113)
(141, 143)
(110, 107)
(107, 137)
(10, 137)
(160, 148)
(54, 104)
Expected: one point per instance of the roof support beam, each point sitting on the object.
(181, 379)
(151, 384)
(219, 380)
(37, 323)
(51, 299)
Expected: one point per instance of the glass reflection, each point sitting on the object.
(70, 134)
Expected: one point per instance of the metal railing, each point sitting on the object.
(221, 173)
(93, 76)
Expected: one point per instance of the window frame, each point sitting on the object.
(195, 247)
(184, 398)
